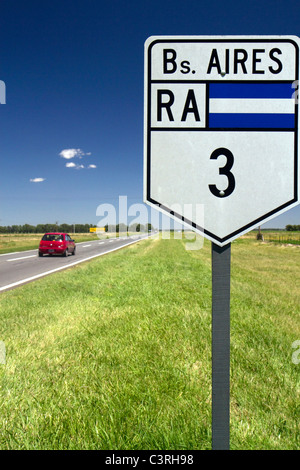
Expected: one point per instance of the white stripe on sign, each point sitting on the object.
(23, 257)
(247, 105)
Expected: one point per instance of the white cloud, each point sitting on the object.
(74, 165)
(75, 153)
(71, 153)
(37, 180)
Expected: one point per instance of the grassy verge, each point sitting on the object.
(116, 353)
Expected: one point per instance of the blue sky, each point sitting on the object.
(74, 75)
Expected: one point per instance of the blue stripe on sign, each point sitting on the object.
(227, 120)
(251, 90)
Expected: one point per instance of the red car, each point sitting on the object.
(57, 243)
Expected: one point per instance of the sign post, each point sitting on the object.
(220, 346)
(221, 131)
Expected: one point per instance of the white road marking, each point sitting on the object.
(16, 252)
(23, 257)
(85, 246)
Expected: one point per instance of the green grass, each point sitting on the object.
(116, 353)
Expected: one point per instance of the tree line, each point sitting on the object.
(292, 228)
(43, 228)
(128, 228)
(72, 228)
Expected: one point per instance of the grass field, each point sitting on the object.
(282, 237)
(116, 353)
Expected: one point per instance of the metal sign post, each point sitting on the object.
(220, 346)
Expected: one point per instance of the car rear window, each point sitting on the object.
(50, 237)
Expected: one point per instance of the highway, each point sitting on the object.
(26, 266)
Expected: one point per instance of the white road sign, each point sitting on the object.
(221, 130)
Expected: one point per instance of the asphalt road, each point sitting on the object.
(26, 266)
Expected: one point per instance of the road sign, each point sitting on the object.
(97, 229)
(221, 130)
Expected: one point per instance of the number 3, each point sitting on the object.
(225, 170)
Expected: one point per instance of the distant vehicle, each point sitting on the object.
(57, 243)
